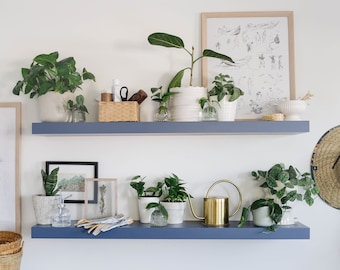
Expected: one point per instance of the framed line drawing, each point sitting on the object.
(262, 47)
(10, 145)
(72, 177)
(107, 203)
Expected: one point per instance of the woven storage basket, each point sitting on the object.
(125, 111)
(11, 262)
(10, 243)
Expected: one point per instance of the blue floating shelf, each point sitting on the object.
(187, 230)
(134, 128)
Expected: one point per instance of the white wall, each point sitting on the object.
(109, 38)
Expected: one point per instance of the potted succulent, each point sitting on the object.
(175, 199)
(43, 204)
(145, 196)
(49, 78)
(162, 97)
(226, 94)
(286, 185)
(184, 105)
(77, 109)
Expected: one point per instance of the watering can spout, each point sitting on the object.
(216, 210)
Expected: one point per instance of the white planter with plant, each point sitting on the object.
(145, 196)
(44, 204)
(185, 105)
(48, 75)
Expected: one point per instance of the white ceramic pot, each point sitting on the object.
(261, 217)
(43, 206)
(52, 107)
(292, 109)
(145, 214)
(184, 106)
(226, 110)
(176, 211)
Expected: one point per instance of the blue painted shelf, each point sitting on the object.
(168, 128)
(187, 230)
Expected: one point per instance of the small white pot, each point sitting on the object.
(43, 206)
(145, 214)
(261, 217)
(226, 110)
(52, 107)
(292, 109)
(176, 211)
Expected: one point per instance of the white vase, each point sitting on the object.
(261, 217)
(52, 107)
(292, 109)
(184, 105)
(145, 214)
(43, 206)
(226, 110)
(176, 211)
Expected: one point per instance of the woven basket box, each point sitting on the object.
(125, 111)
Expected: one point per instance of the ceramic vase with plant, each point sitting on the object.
(145, 196)
(184, 106)
(175, 199)
(53, 81)
(44, 204)
(226, 94)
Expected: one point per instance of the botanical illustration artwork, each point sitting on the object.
(71, 178)
(9, 182)
(106, 205)
(260, 49)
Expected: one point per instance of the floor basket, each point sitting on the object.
(10, 243)
(12, 261)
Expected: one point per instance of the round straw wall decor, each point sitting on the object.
(325, 167)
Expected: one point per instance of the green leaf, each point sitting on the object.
(244, 217)
(177, 80)
(213, 54)
(166, 40)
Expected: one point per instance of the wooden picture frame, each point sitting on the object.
(262, 47)
(10, 137)
(72, 175)
(107, 194)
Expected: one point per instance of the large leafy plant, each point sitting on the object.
(171, 41)
(176, 192)
(47, 74)
(50, 182)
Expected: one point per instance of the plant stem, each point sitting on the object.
(192, 64)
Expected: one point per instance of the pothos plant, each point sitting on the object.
(171, 41)
(138, 184)
(224, 86)
(175, 189)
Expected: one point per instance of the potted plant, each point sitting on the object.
(145, 196)
(162, 97)
(226, 94)
(266, 213)
(49, 78)
(44, 204)
(184, 105)
(77, 109)
(175, 199)
(286, 185)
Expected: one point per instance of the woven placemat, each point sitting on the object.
(325, 167)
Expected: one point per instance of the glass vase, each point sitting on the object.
(162, 113)
(158, 219)
(78, 116)
(209, 113)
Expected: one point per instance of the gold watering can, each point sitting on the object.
(216, 210)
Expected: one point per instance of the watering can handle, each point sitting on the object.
(237, 188)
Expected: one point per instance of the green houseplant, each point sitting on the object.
(146, 196)
(175, 197)
(284, 185)
(53, 81)
(77, 108)
(184, 106)
(162, 97)
(43, 204)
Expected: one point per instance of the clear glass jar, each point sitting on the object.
(209, 113)
(78, 116)
(158, 219)
(162, 113)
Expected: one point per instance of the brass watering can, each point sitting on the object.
(216, 210)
